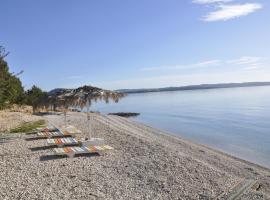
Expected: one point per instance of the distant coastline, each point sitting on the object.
(195, 87)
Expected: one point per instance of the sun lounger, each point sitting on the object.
(68, 128)
(63, 141)
(46, 129)
(53, 134)
(69, 131)
(57, 134)
(75, 141)
(72, 151)
(52, 128)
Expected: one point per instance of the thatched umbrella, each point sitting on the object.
(81, 97)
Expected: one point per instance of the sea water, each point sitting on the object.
(233, 120)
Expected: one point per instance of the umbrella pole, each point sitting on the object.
(88, 119)
(65, 116)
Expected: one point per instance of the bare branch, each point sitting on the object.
(3, 53)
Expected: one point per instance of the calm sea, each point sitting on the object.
(234, 120)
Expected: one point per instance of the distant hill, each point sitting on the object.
(196, 87)
(84, 91)
(57, 91)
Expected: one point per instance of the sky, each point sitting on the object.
(117, 44)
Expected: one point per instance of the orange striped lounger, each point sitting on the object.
(62, 132)
(68, 141)
(72, 151)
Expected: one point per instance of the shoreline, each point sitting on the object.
(146, 163)
(219, 151)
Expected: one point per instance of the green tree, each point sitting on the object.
(34, 96)
(11, 90)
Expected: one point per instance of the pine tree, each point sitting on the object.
(11, 90)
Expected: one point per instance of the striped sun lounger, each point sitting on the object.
(69, 131)
(47, 129)
(72, 151)
(68, 141)
(63, 141)
(55, 134)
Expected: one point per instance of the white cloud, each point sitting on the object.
(244, 62)
(189, 79)
(242, 69)
(226, 12)
(253, 67)
(210, 1)
(181, 66)
(247, 60)
(250, 63)
(207, 63)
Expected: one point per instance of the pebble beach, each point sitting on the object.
(146, 163)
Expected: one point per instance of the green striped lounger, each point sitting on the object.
(72, 151)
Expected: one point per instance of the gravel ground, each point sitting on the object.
(145, 164)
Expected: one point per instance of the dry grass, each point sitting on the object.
(28, 127)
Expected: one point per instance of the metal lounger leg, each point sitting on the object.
(71, 155)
